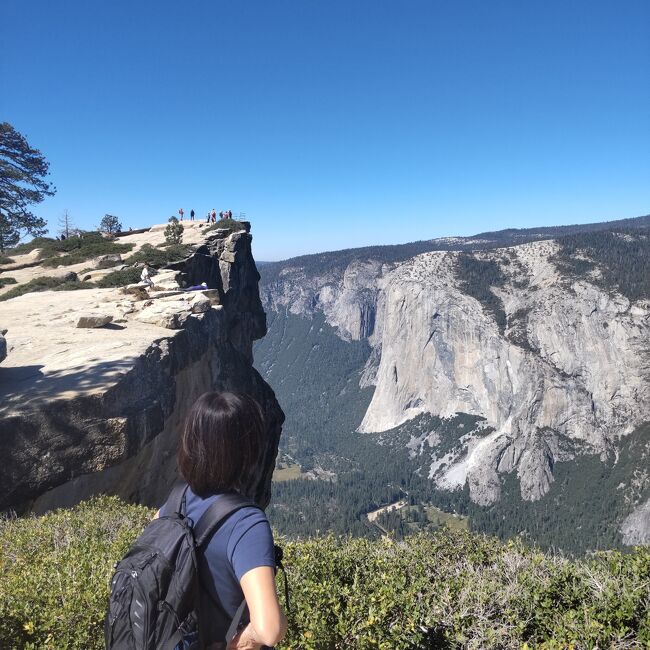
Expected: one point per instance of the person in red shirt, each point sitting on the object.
(181, 212)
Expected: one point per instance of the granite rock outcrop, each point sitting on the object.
(559, 369)
(87, 411)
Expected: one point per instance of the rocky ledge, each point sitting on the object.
(97, 382)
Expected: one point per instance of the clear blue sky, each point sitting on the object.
(335, 123)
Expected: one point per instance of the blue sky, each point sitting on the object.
(335, 123)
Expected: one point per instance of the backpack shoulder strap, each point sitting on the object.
(176, 500)
(217, 513)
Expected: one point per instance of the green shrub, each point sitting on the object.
(160, 256)
(88, 252)
(37, 242)
(4, 281)
(174, 231)
(120, 278)
(55, 571)
(226, 224)
(45, 283)
(75, 249)
(441, 590)
(5, 260)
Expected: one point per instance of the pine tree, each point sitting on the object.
(174, 231)
(22, 173)
(110, 224)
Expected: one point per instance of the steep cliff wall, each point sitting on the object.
(569, 370)
(548, 349)
(85, 411)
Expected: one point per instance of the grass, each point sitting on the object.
(45, 283)
(441, 518)
(160, 256)
(4, 281)
(286, 473)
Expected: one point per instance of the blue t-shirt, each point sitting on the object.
(243, 542)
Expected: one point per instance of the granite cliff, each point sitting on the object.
(547, 341)
(97, 382)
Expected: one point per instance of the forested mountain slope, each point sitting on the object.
(499, 376)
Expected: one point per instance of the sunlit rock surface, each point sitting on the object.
(84, 411)
(567, 374)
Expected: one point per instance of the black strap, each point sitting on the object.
(213, 517)
(279, 556)
(232, 630)
(176, 500)
(217, 513)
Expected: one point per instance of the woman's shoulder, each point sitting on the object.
(247, 517)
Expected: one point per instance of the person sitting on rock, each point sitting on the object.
(145, 276)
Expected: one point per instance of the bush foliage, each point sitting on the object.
(72, 250)
(226, 224)
(442, 590)
(120, 278)
(5, 280)
(160, 256)
(46, 283)
(174, 231)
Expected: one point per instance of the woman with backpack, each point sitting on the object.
(220, 592)
(221, 451)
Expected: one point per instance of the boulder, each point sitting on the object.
(165, 285)
(211, 294)
(108, 261)
(172, 316)
(94, 320)
(200, 304)
(71, 276)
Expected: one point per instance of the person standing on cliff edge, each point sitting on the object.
(181, 212)
(192, 214)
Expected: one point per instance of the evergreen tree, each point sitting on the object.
(22, 183)
(110, 224)
(174, 231)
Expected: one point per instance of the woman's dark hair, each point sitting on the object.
(222, 444)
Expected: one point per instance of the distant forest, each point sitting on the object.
(316, 380)
(344, 474)
(318, 263)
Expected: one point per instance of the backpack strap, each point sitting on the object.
(176, 500)
(234, 624)
(217, 513)
(211, 519)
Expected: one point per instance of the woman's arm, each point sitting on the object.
(268, 624)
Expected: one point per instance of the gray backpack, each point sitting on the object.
(155, 590)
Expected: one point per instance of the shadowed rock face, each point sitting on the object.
(100, 410)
